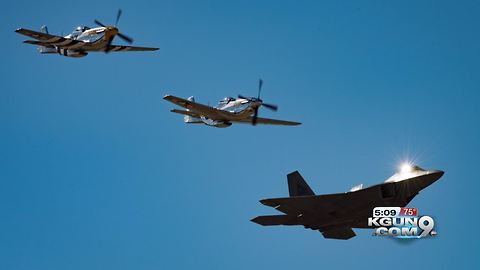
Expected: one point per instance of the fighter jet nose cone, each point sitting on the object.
(430, 178)
(424, 180)
(438, 173)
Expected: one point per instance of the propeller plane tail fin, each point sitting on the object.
(43, 49)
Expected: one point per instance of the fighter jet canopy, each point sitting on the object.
(406, 171)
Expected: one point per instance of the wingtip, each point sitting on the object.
(266, 202)
(18, 30)
(256, 220)
(260, 220)
(293, 123)
(166, 97)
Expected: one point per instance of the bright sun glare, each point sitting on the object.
(405, 168)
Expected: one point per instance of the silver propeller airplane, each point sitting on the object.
(82, 40)
(229, 110)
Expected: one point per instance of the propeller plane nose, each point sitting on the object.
(112, 30)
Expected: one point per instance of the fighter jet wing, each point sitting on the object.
(267, 121)
(47, 40)
(195, 107)
(294, 205)
(323, 208)
(337, 204)
(122, 48)
(334, 233)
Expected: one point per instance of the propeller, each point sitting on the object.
(260, 84)
(119, 13)
(99, 23)
(259, 100)
(255, 117)
(127, 39)
(109, 44)
(124, 37)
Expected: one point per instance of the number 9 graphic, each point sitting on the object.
(428, 227)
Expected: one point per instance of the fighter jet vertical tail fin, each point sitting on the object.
(297, 186)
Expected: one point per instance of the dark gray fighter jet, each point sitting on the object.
(334, 215)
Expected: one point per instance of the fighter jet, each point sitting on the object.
(229, 110)
(82, 40)
(334, 215)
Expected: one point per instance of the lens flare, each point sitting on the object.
(406, 167)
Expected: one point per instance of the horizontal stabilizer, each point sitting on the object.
(189, 116)
(270, 202)
(297, 186)
(36, 42)
(273, 220)
(189, 113)
(343, 233)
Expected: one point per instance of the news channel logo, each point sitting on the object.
(401, 222)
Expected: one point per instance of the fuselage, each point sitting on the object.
(93, 39)
(96, 38)
(235, 109)
(242, 108)
(397, 191)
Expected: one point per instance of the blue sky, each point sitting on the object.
(96, 173)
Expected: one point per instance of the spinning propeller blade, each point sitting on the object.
(260, 83)
(99, 23)
(270, 106)
(255, 116)
(124, 37)
(119, 13)
(259, 101)
(109, 45)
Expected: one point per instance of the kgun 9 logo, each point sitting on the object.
(401, 223)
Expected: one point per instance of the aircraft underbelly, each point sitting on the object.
(354, 211)
(235, 116)
(93, 46)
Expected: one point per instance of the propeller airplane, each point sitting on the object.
(229, 110)
(82, 40)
